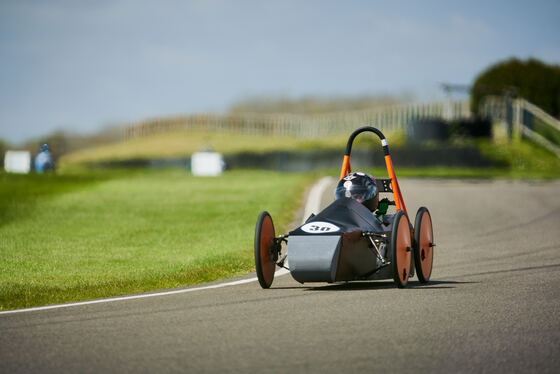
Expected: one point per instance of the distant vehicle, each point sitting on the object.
(354, 238)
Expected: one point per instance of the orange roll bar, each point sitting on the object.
(345, 167)
(397, 195)
(399, 202)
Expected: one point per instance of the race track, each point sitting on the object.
(493, 305)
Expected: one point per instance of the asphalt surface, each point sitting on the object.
(492, 306)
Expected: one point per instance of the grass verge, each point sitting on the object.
(76, 237)
(523, 159)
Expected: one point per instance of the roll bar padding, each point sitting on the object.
(364, 129)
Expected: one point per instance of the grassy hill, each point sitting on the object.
(184, 143)
(517, 159)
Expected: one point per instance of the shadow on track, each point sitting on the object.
(364, 285)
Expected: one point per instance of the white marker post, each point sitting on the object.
(207, 164)
(17, 162)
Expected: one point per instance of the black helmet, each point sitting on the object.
(360, 187)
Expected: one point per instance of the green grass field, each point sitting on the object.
(75, 237)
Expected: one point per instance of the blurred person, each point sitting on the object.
(44, 161)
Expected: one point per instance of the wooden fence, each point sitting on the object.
(522, 119)
(303, 126)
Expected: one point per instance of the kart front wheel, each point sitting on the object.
(264, 256)
(401, 249)
(423, 244)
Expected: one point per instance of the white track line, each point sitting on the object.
(312, 205)
(142, 296)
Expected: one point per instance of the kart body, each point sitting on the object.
(333, 245)
(348, 242)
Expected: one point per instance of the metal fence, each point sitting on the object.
(524, 119)
(392, 117)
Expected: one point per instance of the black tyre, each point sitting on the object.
(401, 249)
(423, 244)
(264, 256)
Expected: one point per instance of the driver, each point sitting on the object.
(360, 187)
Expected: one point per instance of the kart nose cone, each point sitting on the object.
(314, 258)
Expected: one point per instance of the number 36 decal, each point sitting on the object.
(319, 227)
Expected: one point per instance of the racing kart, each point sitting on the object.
(346, 241)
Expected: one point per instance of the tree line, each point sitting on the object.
(530, 79)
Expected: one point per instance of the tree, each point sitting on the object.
(532, 80)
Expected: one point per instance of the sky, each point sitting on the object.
(85, 65)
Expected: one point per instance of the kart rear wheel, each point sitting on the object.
(401, 249)
(423, 244)
(264, 256)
